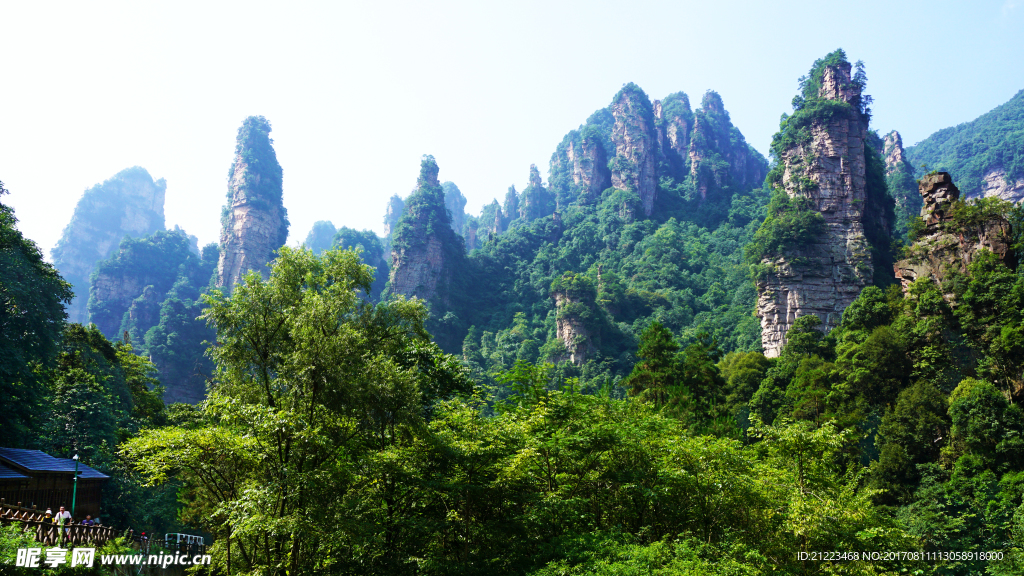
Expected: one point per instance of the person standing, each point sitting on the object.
(62, 519)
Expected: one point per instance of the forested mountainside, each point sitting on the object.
(671, 358)
(985, 156)
(128, 204)
(646, 212)
(148, 294)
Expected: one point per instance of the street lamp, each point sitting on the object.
(74, 491)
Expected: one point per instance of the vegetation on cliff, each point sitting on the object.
(993, 142)
(254, 222)
(130, 203)
(148, 293)
(682, 266)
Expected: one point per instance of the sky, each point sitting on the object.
(357, 92)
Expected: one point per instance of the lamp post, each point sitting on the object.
(74, 490)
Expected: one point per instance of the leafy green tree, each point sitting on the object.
(743, 372)
(912, 433)
(32, 316)
(314, 387)
(657, 372)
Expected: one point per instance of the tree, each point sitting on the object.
(657, 372)
(32, 317)
(314, 386)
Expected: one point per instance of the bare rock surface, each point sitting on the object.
(634, 136)
(824, 277)
(255, 222)
(946, 247)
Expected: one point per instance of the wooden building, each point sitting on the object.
(35, 478)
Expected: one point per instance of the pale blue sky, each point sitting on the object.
(358, 91)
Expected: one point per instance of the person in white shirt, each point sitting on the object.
(63, 518)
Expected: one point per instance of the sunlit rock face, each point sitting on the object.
(425, 249)
(824, 277)
(254, 224)
(635, 139)
(945, 246)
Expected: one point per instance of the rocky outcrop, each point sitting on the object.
(254, 224)
(646, 143)
(589, 167)
(537, 202)
(895, 156)
(391, 216)
(822, 276)
(899, 177)
(129, 204)
(945, 245)
(674, 121)
(576, 308)
(456, 204)
(635, 139)
(509, 211)
(982, 155)
(999, 185)
(126, 290)
(425, 251)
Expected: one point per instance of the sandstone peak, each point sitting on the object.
(837, 84)
(428, 173)
(939, 193)
(635, 138)
(712, 102)
(828, 174)
(944, 246)
(131, 204)
(535, 176)
(255, 223)
(892, 148)
(423, 245)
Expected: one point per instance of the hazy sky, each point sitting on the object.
(358, 91)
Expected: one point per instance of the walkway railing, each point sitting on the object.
(46, 532)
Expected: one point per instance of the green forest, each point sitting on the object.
(579, 389)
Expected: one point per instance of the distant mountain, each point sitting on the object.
(131, 204)
(985, 156)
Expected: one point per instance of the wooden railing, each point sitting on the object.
(49, 533)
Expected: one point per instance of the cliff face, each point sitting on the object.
(998, 183)
(589, 166)
(425, 250)
(899, 177)
(129, 204)
(662, 151)
(635, 139)
(126, 290)
(946, 246)
(577, 315)
(537, 202)
(148, 290)
(572, 330)
(456, 204)
(826, 170)
(391, 216)
(254, 223)
(718, 156)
